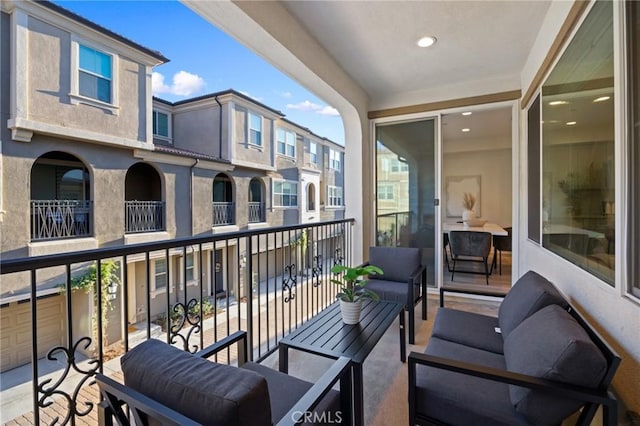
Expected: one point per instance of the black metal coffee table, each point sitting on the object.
(328, 336)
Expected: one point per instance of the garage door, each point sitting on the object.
(15, 330)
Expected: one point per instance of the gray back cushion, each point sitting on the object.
(528, 295)
(397, 263)
(202, 390)
(550, 344)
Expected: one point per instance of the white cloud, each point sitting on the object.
(184, 84)
(286, 95)
(309, 106)
(257, 98)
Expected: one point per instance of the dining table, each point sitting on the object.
(493, 228)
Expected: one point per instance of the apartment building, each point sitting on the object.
(90, 159)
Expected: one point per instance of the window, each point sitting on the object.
(190, 267)
(313, 153)
(334, 195)
(334, 160)
(533, 171)
(255, 129)
(94, 74)
(385, 192)
(285, 194)
(286, 142)
(633, 25)
(160, 275)
(578, 168)
(398, 166)
(160, 124)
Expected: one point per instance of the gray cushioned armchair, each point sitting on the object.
(165, 385)
(404, 279)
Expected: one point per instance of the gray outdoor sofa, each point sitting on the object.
(537, 363)
(164, 385)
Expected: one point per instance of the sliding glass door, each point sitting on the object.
(406, 188)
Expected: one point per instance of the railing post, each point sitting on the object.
(249, 290)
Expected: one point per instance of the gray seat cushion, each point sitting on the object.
(468, 328)
(204, 391)
(568, 355)
(392, 290)
(288, 390)
(528, 295)
(397, 263)
(459, 399)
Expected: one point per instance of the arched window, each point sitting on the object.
(256, 201)
(143, 199)
(223, 205)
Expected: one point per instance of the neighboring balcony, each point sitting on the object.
(223, 213)
(144, 216)
(256, 212)
(57, 219)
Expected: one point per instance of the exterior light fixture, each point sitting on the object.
(112, 291)
(427, 41)
(466, 129)
(467, 113)
(602, 99)
(554, 103)
(571, 123)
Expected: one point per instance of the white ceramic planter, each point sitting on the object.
(350, 311)
(468, 215)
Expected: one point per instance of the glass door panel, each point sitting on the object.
(406, 188)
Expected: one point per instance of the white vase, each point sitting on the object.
(468, 215)
(350, 311)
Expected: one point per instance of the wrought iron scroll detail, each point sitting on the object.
(338, 258)
(289, 283)
(316, 270)
(50, 390)
(187, 317)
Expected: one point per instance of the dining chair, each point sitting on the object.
(470, 246)
(501, 243)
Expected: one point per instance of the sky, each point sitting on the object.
(204, 59)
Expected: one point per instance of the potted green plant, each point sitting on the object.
(351, 281)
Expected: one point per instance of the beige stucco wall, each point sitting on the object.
(197, 129)
(49, 82)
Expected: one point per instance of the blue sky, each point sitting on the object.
(203, 59)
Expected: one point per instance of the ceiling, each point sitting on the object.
(375, 41)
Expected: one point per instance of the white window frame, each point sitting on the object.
(250, 128)
(313, 153)
(152, 282)
(387, 187)
(75, 96)
(274, 193)
(194, 269)
(398, 166)
(334, 196)
(334, 160)
(285, 143)
(169, 136)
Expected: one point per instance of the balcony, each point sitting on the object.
(57, 219)
(271, 285)
(144, 216)
(223, 213)
(256, 212)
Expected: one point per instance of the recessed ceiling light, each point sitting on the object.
(558, 103)
(571, 123)
(602, 99)
(426, 41)
(467, 113)
(466, 130)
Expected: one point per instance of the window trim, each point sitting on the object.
(194, 268)
(387, 186)
(249, 128)
(274, 193)
(330, 198)
(152, 281)
(286, 143)
(335, 160)
(169, 137)
(74, 95)
(313, 153)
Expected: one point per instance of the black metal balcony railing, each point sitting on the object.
(53, 219)
(256, 212)
(390, 227)
(223, 213)
(144, 216)
(275, 279)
